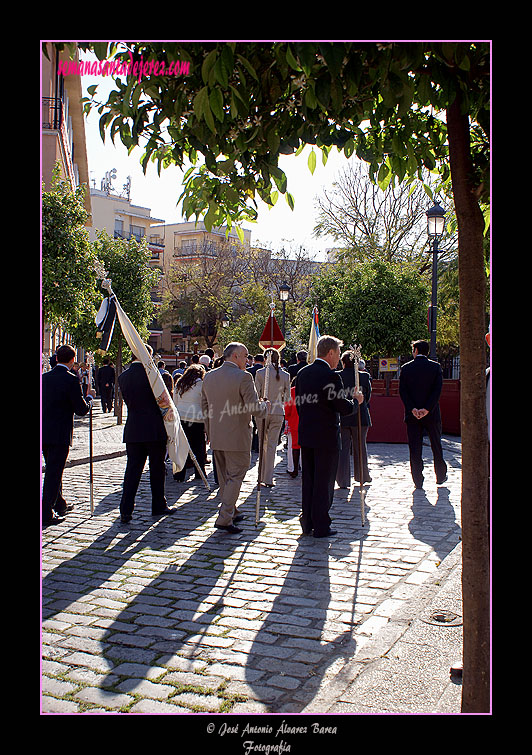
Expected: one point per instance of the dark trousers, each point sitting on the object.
(55, 457)
(318, 467)
(137, 454)
(106, 395)
(415, 431)
(195, 432)
(350, 443)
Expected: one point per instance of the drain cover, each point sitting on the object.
(444, 618)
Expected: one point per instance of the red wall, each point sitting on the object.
(387, 412)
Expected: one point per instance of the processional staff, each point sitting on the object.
(263, 437)
(90, 362)
(356, 356)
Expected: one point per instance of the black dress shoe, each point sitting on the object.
(125, 518)
(62, 510)
(440, 482)
(330, 533)
(229, 528)
(238, 518)
(167, 511)
(54, 519)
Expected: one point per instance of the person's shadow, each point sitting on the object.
(93, 566)
(179, 610)
(435, 524)
(308, 627)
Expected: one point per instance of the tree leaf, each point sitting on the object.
(312, 161)
(208, 65)
(290, 59)
(216, 102)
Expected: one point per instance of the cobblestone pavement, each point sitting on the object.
(169, 615)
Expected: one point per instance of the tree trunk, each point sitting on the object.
(475, 443)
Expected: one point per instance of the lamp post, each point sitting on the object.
(284, 290)
(435, 226)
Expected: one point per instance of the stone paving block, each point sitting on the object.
(105, 698)
(158, 708)
(234, 672)
(95, 662)
(56, 687)
(52, 705)
(285, 682)
(199, 702)
(189, 679)
(139, 670)
(144, 688)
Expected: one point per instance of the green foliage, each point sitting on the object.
(132, 278)
(380, 306)
(67, 255)
(244, 104)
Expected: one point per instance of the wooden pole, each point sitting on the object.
(263, 439)
(362, 492)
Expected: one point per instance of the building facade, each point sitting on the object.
(63, 144)
(115, 214)
(185, 244)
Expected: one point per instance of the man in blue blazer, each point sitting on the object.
(62, 397)
(320, 400)
(420, 385)
(145, 438)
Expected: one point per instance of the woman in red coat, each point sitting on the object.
(292, 422)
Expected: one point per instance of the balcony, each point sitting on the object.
(127, 235)
(52, 113)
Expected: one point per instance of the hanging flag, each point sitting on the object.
(272, 335)
(314, 336)
(105, 322)
(177, 446)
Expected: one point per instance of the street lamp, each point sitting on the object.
(284, 290)
(435, 227)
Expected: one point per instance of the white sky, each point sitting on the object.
(276, 228)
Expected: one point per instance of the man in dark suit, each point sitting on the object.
(320, 399)
(293, 369)
(106, 384)
(62, 397)
(420, 385)
(145, 438)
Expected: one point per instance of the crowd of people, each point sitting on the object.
(235, 405)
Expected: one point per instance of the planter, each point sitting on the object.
(387, 412)
(387, 420)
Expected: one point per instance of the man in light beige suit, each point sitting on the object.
(278, 394)
(229, 398)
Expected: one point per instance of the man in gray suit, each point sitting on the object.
(229, 398)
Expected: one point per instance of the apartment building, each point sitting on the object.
(188, 243)
(113, 211)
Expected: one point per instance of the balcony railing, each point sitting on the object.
(52, 113)
(127, 235)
